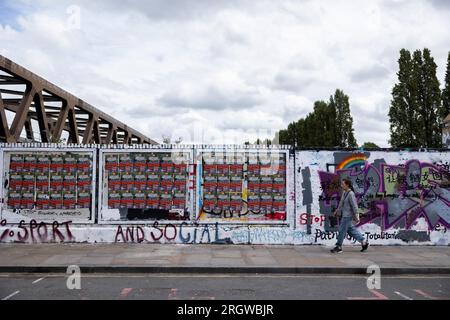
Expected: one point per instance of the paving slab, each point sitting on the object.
(221, 258)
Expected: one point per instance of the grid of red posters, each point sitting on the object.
(147, 180)
(224, 176)
(50, 180)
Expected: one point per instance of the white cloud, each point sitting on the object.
(224, 90)
(226, 70)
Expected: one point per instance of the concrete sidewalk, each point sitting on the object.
(162, 258)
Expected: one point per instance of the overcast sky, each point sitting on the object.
(218, 71)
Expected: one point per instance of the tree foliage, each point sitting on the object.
(330, 124)
(416, 111)
(446, 91)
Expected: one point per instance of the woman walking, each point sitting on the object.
(348, 207)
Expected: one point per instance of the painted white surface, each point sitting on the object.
(187, 234)
(190, 232)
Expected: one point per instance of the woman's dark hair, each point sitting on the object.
(349, 184)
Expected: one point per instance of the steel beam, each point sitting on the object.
(42, 92)
(4, 128)
(42, 118)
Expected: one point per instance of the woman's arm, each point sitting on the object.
(354, 204)
(341, 203)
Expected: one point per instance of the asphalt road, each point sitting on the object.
(227, 287)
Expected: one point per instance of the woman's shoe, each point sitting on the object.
(365, 246)
(336, 249)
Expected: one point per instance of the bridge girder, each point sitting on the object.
(29, 97)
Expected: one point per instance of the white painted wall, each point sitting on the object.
(293, 233)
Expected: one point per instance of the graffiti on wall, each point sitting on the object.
(169, 233)
(188, 233)
(244, 196)
(243, 186)
(389, 194)
(36, 232)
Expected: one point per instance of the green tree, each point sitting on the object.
(300, 132)
(446, 91)
(320, 127)
(321, 130)
(310, 138)
(292, 134)
(282, 137)
(416, 111)
(369, 145)
(344, 136)
(430, 106)
(403, 109)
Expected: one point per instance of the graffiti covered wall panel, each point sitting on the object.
(246, 196)
(401, 195)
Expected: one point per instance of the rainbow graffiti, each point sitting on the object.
(355, 160)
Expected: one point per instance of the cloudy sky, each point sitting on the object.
(217, 71)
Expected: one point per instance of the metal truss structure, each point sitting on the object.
(28, 101)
